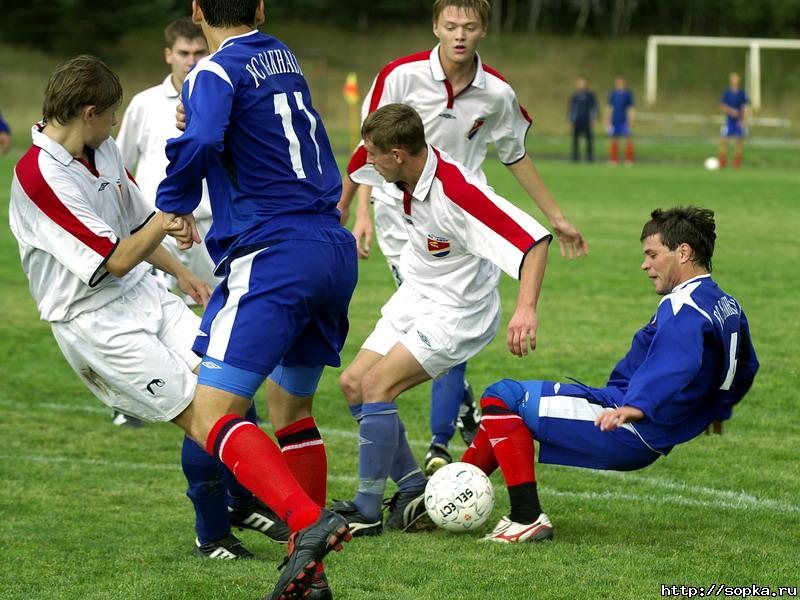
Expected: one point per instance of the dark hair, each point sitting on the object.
(81, 81)
(685, 225)
(481, 8)
(395, 126)
(182, 28)
(229, 13)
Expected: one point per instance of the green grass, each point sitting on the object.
(90, 511)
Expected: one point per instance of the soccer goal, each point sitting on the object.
(752, 61)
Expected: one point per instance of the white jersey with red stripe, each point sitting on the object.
(68, 217)
(460, 232)
(485, 112)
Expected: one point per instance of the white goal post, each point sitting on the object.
(752, 62)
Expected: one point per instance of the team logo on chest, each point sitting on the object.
(438, 246)
(475, 127)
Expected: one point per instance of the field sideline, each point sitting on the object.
(90, 511)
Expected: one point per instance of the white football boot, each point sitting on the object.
(509, 532)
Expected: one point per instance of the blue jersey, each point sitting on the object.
(253, 133)
(688, 366)
(620, 101)
(4, 128)
(582, 107)
(735, 99)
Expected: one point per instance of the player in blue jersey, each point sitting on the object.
(685, 369)
(582, 115)
(5, 136)
(289, 271)
(734, 103)
(620, 121)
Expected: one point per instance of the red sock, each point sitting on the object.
(614, 151)
(304, 452)
(629, 151)
(258, 464)
(511, 439)
(737, 161)
(723, 160)
(480, 453)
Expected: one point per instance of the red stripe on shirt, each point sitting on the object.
(128, 173)
(472, 200)
(42, 195)
(450, 97)
(358, 160)
(497, 74)
(380, 82)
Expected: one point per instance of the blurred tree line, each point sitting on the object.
(88, 25)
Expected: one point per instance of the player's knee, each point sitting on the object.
(350, 386)
(373, 388)
(508, 391)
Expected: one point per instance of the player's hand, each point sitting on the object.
(570, 240)
(180, 117)
(199, 290)
(362, 230)
(183, 228)
(609, 420)
(522, 328)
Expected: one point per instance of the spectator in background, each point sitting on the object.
(582, 115)
(5, 136)
(620, 121)
(734, 103)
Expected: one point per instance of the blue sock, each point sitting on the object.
(355, 410)
(239, 496)
(205, 475)
(405, 471)
(377, 444)
(446, 396)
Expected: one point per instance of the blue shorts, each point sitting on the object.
(561, 418)
(619, 130)
(732, 128)
(285, 303)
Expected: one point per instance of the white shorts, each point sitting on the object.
(390, 231)
(135, 353)
(439, 337)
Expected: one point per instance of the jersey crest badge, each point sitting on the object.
(438, 246)
(475, 127)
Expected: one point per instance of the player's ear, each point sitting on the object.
(260, 14)
(88, 111)
(685, 252)
(197, 13)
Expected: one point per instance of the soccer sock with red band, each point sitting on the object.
(614, 151)
(480, 452)
(304, 451)
(258, 464)
(629, 151)
(511, 440)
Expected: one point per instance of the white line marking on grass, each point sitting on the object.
(723, 498)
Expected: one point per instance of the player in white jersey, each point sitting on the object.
(149, 121)
(460, 235)
(465, 106)
(85, 233)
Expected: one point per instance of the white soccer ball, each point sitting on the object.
(459, 497)
(712, 163)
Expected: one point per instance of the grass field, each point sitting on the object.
(90, 511)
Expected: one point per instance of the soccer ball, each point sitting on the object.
(459, 497)
(712, 163)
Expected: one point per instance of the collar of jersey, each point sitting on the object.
(52, 147)
(425, 181)
(438, 71)
(230, 40)
(169, 89)
(688, 281)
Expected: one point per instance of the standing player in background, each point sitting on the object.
(685, 369)
(734, 103)
(460, 235)
(582, 115)
(219, 500)
(465, 106)
(620, 121)
(253, 134)
(5, 136)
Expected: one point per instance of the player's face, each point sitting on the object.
(385, 163)
(99, 126)
(459, 32)
(183, 56)
(662, 265)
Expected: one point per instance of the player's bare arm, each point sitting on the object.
(183, 228)
(188, 282)
(524, 322)
(363, 228)
(570, 240)
(138, 247)
(349, 188)
(612, 419)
